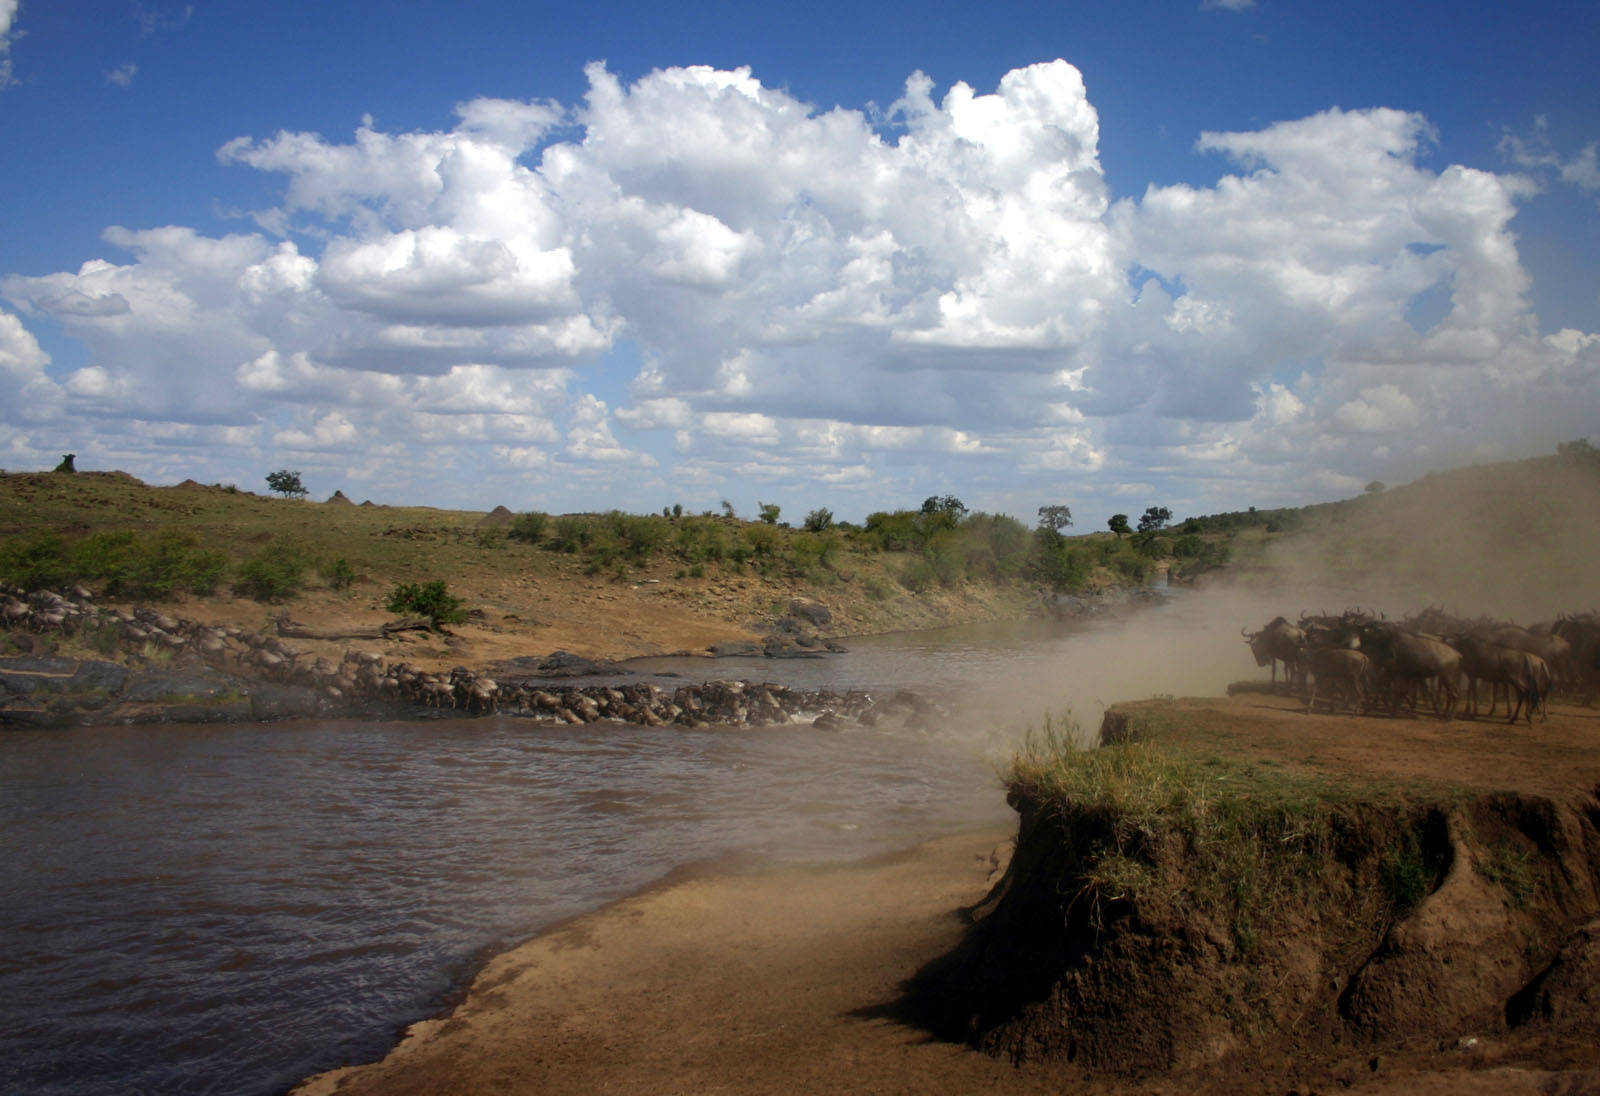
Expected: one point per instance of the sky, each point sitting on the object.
(1206, 254)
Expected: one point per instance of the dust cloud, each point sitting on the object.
(1511, 541)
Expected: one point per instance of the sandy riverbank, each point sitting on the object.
(796, 981)
(779, 983)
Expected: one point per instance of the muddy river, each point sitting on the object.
(228, 909)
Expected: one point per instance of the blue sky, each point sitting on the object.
(1201, 255)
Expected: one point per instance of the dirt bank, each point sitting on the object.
(817, 981)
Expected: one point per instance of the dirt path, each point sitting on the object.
(788, 982)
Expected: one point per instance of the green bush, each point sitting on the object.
(643, 536)
(1054, 562)
(819, 520)
(35, 562)
(128, 566)
(919, 575)
(273, 574)
(1131, 566)
(763, 540)
(339, 575)
(429, 599)
(528, 528)
(570, 533)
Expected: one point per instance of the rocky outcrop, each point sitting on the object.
(800, 632)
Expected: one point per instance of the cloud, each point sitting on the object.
(1536, 153)
(8, 19)
(836, 298)
(122, 75)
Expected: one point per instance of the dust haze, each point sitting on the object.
(1513, 542)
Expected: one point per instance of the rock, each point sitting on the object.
(282, 702)
(811, 611)
(92, 674)
(567, 664)
(737, 649)
(159, 686)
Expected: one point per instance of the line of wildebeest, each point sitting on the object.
(1364, 661)
(363, 676)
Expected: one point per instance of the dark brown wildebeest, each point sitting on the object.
(1553, 648)
(1278, 641)
(1524, 675)
(1343, 671)
(1407, 662)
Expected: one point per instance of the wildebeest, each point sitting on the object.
(1582, 633)
(1278, 641)
(1555, 650)
(1524, 675)
(1406, 662)
(1343, 671)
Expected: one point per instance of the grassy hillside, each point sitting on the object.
(599, 584)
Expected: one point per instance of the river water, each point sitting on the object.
(227, 909)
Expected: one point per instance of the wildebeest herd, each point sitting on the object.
(1363, 661)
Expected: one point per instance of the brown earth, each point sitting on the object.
(798, 981)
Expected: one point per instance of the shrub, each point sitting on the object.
(35, 562)
(819, 520)
(528, 528)
(642, 536)
(273, 574)
(763, 540)
(339, 575)
(570, 533)
(919, 575)
(429, 599)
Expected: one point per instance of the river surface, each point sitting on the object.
(228, 909)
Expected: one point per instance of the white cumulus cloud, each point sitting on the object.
(828, 296)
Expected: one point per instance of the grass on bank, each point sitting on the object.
(128, 539)
(1236, 842)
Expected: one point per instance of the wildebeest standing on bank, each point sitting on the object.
(1582, 633)
(1342, 671)
(1407, 662)
(1278, 641)
(1525, 676)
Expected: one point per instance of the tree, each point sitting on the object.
(1376, 487)
(770, 512)
(1119, 525)
(1055, 518)
(1155, 517)
(819, 520)
(286, 483)
(1578, 450)
(66, 464)
(429, 599)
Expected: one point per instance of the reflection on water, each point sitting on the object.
(228, 909)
